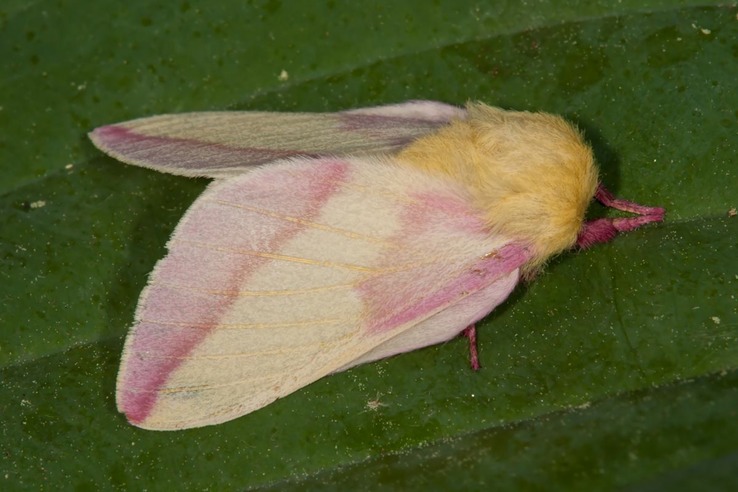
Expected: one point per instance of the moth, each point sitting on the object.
(328, 240)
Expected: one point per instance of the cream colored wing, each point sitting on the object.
(281, 276)
(224, 144)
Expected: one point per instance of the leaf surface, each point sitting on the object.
(618, 367)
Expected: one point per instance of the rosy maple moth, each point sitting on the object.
(366, 233)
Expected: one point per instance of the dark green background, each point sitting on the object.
(618, 367)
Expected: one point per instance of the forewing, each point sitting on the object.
(223, 144)
(283, 275)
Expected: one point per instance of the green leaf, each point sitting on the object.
(617, 367)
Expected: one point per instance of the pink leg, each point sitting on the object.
(470, 332)
(603, 230)
(605, 197)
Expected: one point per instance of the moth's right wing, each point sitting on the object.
(224, 144)
(296, 270)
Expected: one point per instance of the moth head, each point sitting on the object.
(537, 177)
(531, 175)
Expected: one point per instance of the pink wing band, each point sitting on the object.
(478, 276)
(390, 123)
(181, 153)
(426, 215)
(173, 321)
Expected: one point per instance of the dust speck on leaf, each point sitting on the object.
(375, 403)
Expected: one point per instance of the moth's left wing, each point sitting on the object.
(224, 144)
(281, 276)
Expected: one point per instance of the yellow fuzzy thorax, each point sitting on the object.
(531, 174)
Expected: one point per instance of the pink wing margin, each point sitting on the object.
(223, 144)
(281, 276)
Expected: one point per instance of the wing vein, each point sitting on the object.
(247, 326)
(255, 293)
(310, 261)
(298, 220)
(305, 347)
(277, 256)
